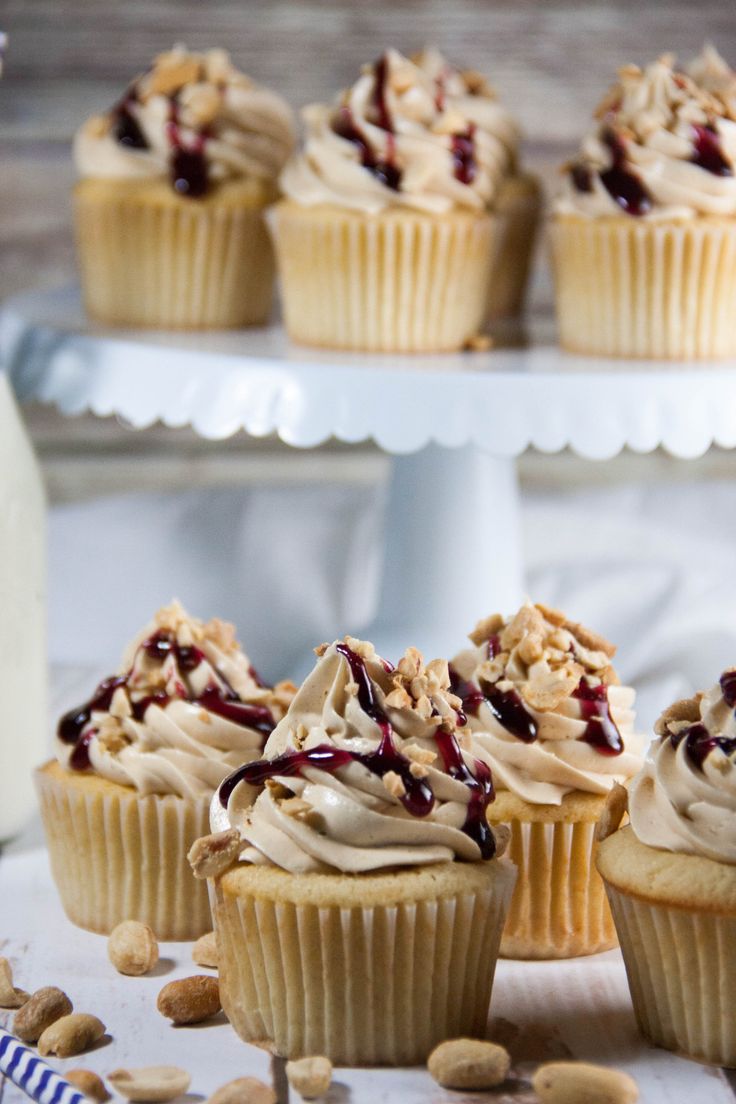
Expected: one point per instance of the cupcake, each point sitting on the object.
(136, 768)
(644, 232)
(363, 917)
(671, 879)
(173, 183)
(549, 718)
(388, 238)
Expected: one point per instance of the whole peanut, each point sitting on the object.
(243, 1090)
(190, 1000)
(89, 1083)
(132, 948)
(70, 1035)
(469, 1064)
(204, 951)
(310, 1077)
(152, 1083)
(45, 1007)
(583, 1083)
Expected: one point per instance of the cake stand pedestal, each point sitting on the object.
(453, 424)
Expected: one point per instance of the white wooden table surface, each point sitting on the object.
(541, 1011)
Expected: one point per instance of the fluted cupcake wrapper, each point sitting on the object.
(118, 856)
(364, 985)
(681, 967)
(516, 217)
(559, 907)
(182, 264)
(631, 288)
(399, 281)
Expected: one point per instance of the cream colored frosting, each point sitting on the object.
(541, 658)
(351, 818)
(429, 106)
(684, 798)
(179, 745)
(244, 130)
(652, 114)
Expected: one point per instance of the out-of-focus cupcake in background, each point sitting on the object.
(644, 230)
(405, 222)
(173, 183)
(136, 767)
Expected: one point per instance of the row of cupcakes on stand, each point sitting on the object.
(353, 831)
(406, 222)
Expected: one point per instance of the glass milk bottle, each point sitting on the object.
(23, 674)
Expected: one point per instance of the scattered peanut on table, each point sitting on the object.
(190, 1000)
(70, 1035)
(42, 1010)
(583, 1083)
(469, 1064)
(204, 951)
(89, 1083)
(310, 1077)
(157, 1084)
(10, 997)
(243, 1090)
(132, 948)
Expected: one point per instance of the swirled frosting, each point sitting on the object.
(366, 771)
(186, 708)
(191, 119)
(414, 133)
(545, 706)
(684, 798)
(663, 147)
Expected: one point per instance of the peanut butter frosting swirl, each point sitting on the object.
(192, 119)
(684, 798)
(663, 147)
(186, 708)
(415, 133)
(545, 706)
(368, 770)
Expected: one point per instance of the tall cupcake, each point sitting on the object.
(388, 238)
(136, 768)
(363, 918)
(644, 232)
(550, 719)
(173, 183)
(671, 879)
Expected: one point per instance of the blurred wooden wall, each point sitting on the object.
(67, 58)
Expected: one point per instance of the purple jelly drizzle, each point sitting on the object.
(73, 726)
(125, 128)
(621, 184)
(188, 168)
(510, 711)
(727, 683)
(582, 178)
(699, 742)
(380, 73)
(418, 798)
(601, 731)
(385, 170)
(463, 155)
(708, 152)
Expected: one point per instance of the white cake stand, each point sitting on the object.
(454, 425)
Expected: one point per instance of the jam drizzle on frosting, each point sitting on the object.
(418, 798)
(698, 739)
(622, 185)
(463, 155)
(125, 127)
(708, 152)
(74, 727)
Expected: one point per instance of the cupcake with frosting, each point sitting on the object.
(549, 717)
(671, 879)
(173, 183)
(136, 767)
(644, 230)
(388, 237)
(363, 916)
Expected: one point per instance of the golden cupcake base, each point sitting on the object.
(627, 287)
(676, 921)
(559, 907)
(118, 856)
(370, 969)
(151, 258)
(398, 281)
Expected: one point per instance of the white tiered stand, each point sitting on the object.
(453, 425)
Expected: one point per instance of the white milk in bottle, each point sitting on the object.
(23, 718)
